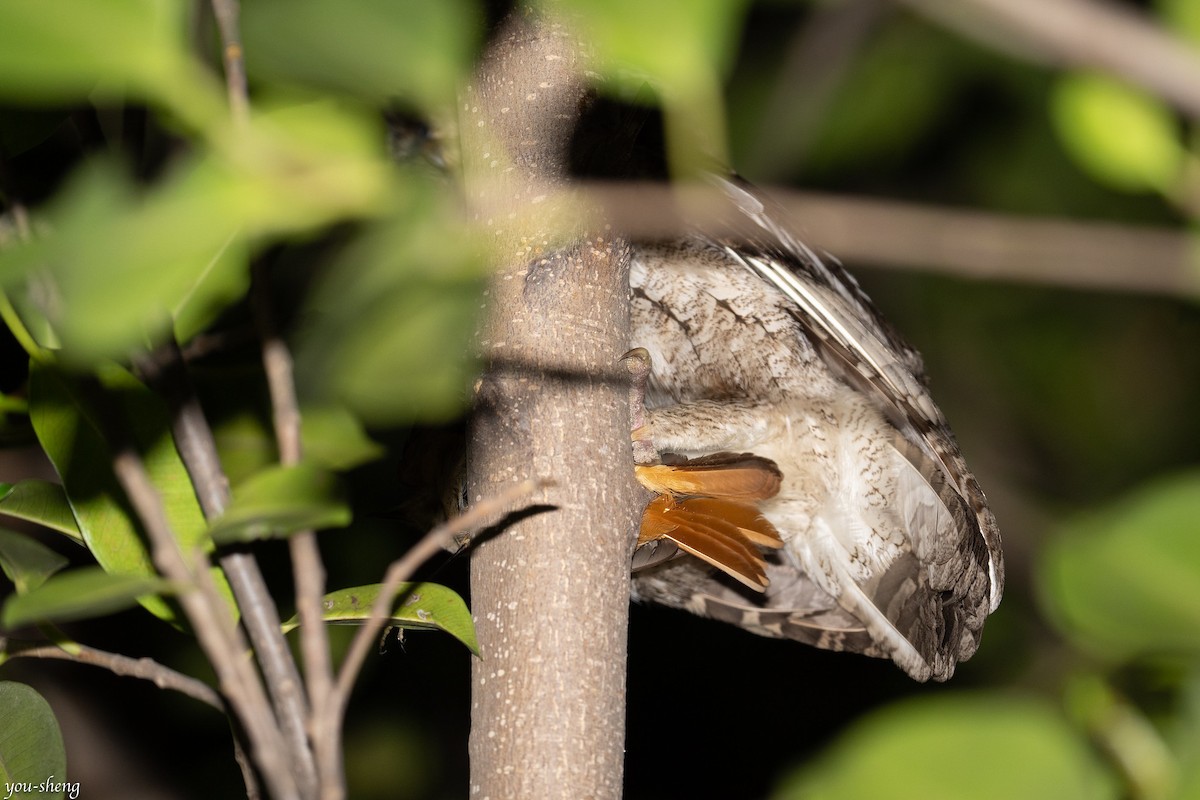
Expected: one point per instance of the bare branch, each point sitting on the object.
(146, 669)
(226, 12)
(1070, 253)
(1075, 254)
(198, 450)
(215, 629)
(307, 568)
(401, 570)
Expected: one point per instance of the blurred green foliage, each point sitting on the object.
(149, 202)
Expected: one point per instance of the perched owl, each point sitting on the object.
(808, 486)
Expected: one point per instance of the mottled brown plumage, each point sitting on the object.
(761, 347)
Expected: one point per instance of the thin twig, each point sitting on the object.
(146, 669)
(260, 615)
(198, 450)
(281, 671)
(308, 570)
(220, 638)
(402, 569)
(226, 12)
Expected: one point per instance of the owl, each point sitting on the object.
(807, 486)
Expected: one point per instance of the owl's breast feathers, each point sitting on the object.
(761, 347)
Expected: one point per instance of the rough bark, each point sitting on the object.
(550, 591)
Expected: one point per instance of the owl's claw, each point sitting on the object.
(637, 362)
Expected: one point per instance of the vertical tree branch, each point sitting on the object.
(307, 568)
(226, 12)
(198, 450)
(550, 594)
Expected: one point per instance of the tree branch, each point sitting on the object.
(146, 669)
(402, 569)
(308, 570)
(220, 638)
(226, 12)
(1075, 254)
(548, 692)
(198, 450)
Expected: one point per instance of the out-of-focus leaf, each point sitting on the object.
(121, 264)
(680, 48)
(427, 606)
(982, 747)
(279, 501)
(376, 49)
(42, 502)
(1182, 16)
(306, 162)
(673, 43)
(79, 594)
(116, 264)
(1127, 580)
(1121, 136)
(334, 438)
(223, 280)
(61, 50)
(31, 744)
(889, 100)
(390, 330)
(67, 426)
(1185, 736)
(26, 561)
(244, 443)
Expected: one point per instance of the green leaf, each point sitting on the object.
(422, 606)
(279, 501)
(66, 425)
(306, 162)
(53, 51)
(887, 102)
(126, 262)
(122, 263)
(670, 42)
(390, 326)
(376, 49)
(1182, 16)
(980, 746)
(79, 594)
(680, 48)
(42, 502)
(31, 744)
(1125, 580)
(26, 561)
(1121, 136)
(334, 438)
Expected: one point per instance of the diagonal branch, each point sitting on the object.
(215, 629)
